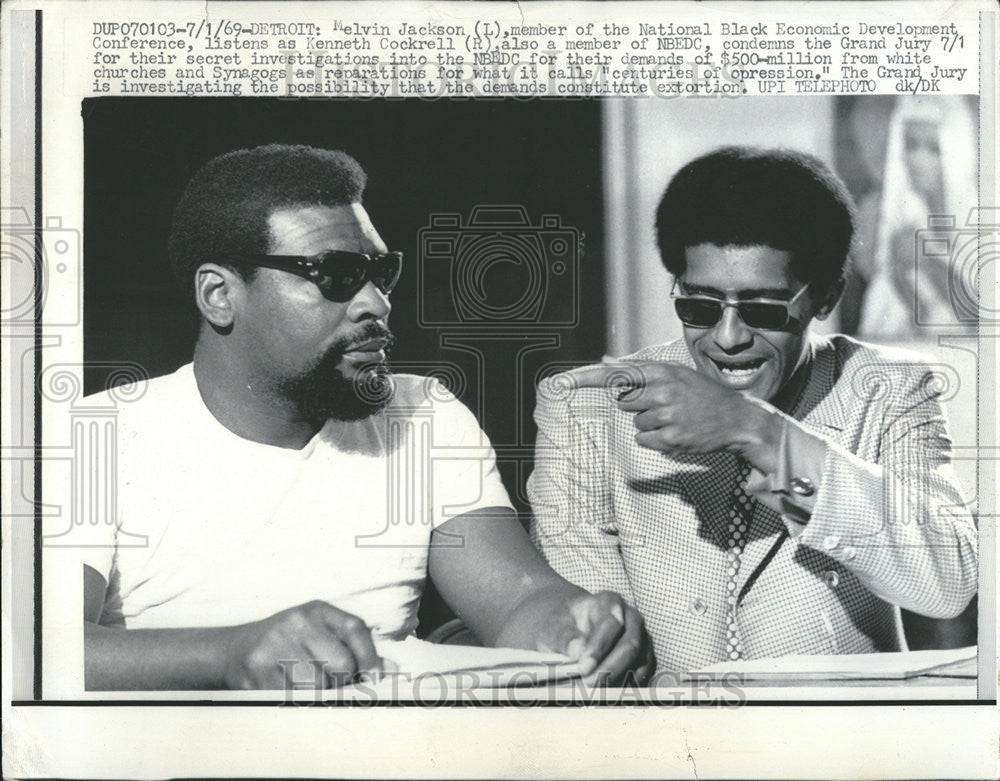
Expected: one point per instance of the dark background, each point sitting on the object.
(422, 157)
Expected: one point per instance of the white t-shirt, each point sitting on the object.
(216, 530)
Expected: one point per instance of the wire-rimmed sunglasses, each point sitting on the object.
(337, 273)
(766, 314)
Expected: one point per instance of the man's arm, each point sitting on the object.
(246, 656)
(573, 522)
(900, 524)
(487, 570)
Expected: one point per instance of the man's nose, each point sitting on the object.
(731, 333)
(369, 303)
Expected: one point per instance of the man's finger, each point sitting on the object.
(561, 638)
(627, 653)
(655, 394)
(642, 675)
(339, 663)
(664, 440)
(601, 619)
(356, 635)
(652, 419)
(280, 667)
(614, 376)
(600, 642)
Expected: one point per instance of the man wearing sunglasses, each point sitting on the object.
(283, 498)
(756, 490)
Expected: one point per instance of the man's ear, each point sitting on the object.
(833, 295)
(214, 289)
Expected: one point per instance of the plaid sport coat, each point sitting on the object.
(889, 526)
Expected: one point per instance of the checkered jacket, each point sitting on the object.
(889, 526)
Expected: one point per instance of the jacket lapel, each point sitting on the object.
(709, 481)
(766, 530)
(822, 406)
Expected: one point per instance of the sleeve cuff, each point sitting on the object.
(793, 488)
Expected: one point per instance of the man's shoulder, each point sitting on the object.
(849, 348)
(416, 393)
(427, 400)
(889, 375)
(154, 400)
(853, 357)
(418, 390)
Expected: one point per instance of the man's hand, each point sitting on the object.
(246, 656)
(313, 631)
(604, 634)
(679, 410)
(510, 598)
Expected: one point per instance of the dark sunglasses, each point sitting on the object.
(339, 275)
(767, 314)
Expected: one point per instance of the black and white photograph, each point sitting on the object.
(489, 412)
(505, 290)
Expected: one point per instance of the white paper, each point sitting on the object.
(496, 667)
(884, 666)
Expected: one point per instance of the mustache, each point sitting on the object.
(367, 332)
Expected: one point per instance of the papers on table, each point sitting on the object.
(958, 662)
(481, 667)
(501, 667)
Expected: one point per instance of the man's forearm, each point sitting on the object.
(908, 537)
(600, 631)
(526, 621)
(131, 659)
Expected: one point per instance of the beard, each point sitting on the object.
(323, 391)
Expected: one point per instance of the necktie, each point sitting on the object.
(739, 521)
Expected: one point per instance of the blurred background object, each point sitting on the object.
(928, 177)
